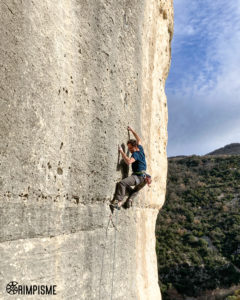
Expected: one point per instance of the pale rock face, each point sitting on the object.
(74, 74)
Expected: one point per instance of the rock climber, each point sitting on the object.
(139, 177)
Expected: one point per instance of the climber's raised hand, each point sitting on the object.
(135, 135)
(120, 148)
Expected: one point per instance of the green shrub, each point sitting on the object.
(193, 209)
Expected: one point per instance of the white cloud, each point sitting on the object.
(203, 86)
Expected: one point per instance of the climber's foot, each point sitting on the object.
(114, 206)
(128, 203)
(120, 203)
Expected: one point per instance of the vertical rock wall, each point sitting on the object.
(156, 54)
(73, 75)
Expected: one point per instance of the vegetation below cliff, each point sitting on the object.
(198, 229)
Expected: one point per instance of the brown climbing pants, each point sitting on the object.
(125, 185)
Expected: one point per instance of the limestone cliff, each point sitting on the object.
(74, 74)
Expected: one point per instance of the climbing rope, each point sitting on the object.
(100, 283)
(104, 248)
(114, 251)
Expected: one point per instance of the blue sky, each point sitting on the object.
(203, 86)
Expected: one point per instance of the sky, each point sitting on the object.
(203, 86)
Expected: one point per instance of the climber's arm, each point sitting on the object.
(135, 134)
(127, 159)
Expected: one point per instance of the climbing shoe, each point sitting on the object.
(114, 206)
(128, 203)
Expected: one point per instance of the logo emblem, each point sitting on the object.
(11, 287)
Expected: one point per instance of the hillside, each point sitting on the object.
(231, 149)
(198, 229)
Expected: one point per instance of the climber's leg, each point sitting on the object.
(129, 190)
(135, 191)
(122, 186)
(138, 188)
(120, 192)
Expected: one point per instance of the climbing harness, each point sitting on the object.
(147, 177)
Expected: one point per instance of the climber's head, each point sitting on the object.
(132, 145)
